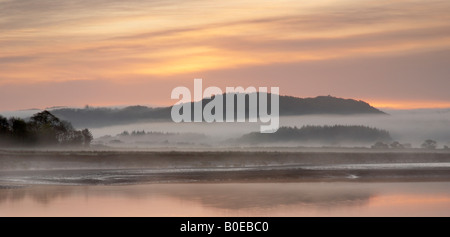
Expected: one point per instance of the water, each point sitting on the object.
(415, 171)
(229, 199)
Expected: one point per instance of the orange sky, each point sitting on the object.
(77, 52)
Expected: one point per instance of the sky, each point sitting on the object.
(392, 53)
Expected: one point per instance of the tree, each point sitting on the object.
(77, 138)
(45, 118)
(380, 145)
(4, 131)
(19, 131)
(87, 136)
(42, 129)
(396, 145)
(429, 144)
(65, 132)
(44, 126)
(4, 126)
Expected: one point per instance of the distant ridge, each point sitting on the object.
(290, 105)
(100, 117)
(319, 134)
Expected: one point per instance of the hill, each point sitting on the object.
(336, 134)
(100, 117)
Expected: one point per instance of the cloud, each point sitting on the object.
(18, 14)
(49, 41)
(15, 59)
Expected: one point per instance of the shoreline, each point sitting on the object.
(125, 167)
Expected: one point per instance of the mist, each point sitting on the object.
(405, 126)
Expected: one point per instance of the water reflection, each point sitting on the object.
(229, 199)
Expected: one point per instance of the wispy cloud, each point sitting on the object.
(57, 41)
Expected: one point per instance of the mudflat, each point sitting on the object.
(129, 167)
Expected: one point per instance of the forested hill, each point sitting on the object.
(99, 117)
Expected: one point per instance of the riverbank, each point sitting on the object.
(129, 167)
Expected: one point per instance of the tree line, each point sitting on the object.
(428, 144)
(334, 133)
(42, 129)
